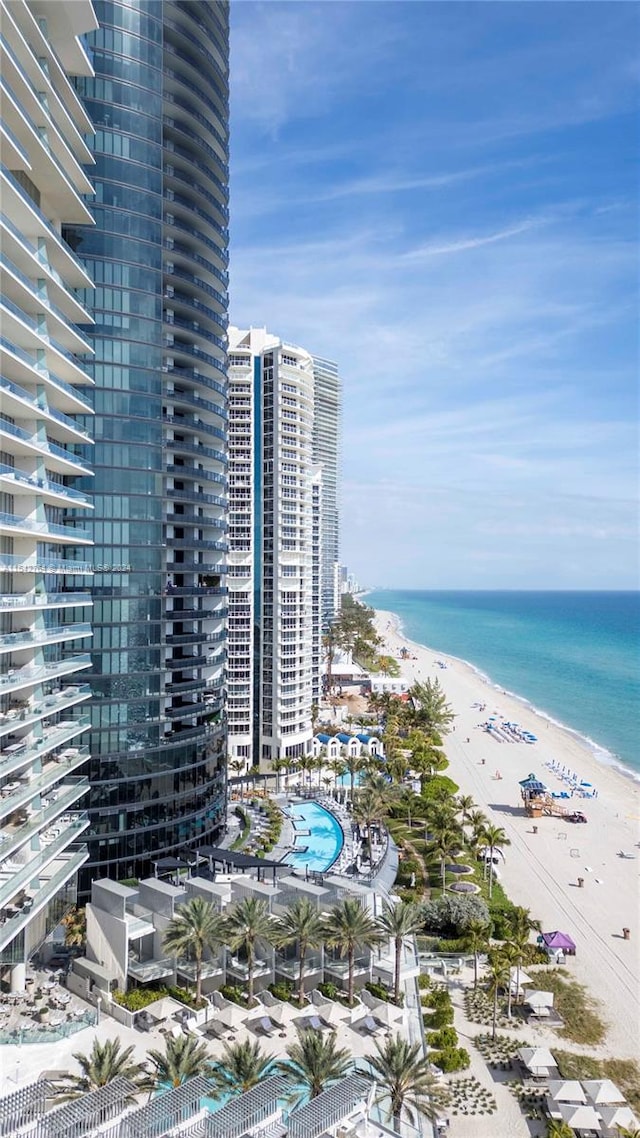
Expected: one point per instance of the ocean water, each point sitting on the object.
(574, 656)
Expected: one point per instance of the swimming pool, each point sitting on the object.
(320, 848)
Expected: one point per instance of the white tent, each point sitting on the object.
(580, 1117)
(538, 1060)
(618, 1116)
(536, 999)
(566, 1090)
(231, 1015)
(524, 979)
(602, 1091)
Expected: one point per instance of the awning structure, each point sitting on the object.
(249, 1110)
(602, 1091)
(234, 859)
(580, 1117)
(88, 1112)
(567, 1090)
(560, 942)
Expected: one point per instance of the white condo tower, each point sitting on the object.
(44, 634)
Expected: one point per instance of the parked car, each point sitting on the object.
(577, 816)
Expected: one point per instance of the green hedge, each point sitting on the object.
(451, 1059)
(442, 1040)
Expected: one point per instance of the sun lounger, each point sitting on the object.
(266, 1026)
(369, 1024)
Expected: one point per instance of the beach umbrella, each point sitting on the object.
(618, 1116)
(566, 1090)
(232, 1015)
(580, 1117)
(524, 977)
(602, 1091)
(386, 1014)
(537, 1059)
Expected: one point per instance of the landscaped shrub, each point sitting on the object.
(452, 915)
(442, 1017)
(443, 1039)
(424, 980)
(439, 788)
(381, 992)
(281, 990)
(329, 990)
(451, 1059)
(234, 993)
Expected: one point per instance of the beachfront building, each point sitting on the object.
(45, 604)
(343, 745)
(327, 420)
(126, 926)
(271, 541)
(316, 585)
(158, 253)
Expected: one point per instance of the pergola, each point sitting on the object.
(329, 1107)
(233, 859)
(167, 1110)
(23, 1105)
(250, 1109)
(76, 1118)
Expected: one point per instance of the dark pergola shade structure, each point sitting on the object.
(329, 1107)
(82, 1115)
(23, 1105)
(167, 1110)
(233, 859)
(250, 1109)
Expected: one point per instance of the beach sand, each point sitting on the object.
(541, 870)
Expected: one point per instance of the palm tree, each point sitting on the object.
(397, 922)
(521, 924)
(105, 1062)
(315, 1062)
(247, 923)
(195, 928)
(496, 839)
(629, 1132)
(75, 927)
(476, 938)
(509, 954)
(499, 977)
(403, 1076)
(348, 927)
(277, 767)
(558, 1128)
(238, 766)
(338, 769)
(443, 846)
(242, 1066)
(465, 804)
(301, 924)
(431, 711)
(353, 765)
(368, 808)
(183, 1058)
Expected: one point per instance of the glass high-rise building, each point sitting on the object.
(158, 255)
(326, 451)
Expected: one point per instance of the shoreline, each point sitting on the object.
(544, 865)
(600, 753)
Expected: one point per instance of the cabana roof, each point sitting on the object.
(558, 940)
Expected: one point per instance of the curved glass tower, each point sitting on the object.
(158, 255)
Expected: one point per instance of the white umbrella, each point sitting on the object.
(566, 1090)
(580, 1117)
(524, 978)
(618, 1116)
(386, 1014)
(537, 1058)
(602, 1090)
(231, 1015)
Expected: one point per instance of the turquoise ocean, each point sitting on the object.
(574, 657)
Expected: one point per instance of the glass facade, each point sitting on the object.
(158, 256)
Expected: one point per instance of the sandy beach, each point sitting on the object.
(541, 870)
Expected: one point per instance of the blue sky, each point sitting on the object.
(443, 197)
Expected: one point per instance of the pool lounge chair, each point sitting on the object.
(369, 1025)
(266, 1026)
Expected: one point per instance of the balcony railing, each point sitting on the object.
(70, 532)
(43, 484)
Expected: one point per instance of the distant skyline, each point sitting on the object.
(443, 197)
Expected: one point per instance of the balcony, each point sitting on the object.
(145, 971)
(16, 679)
(71, 534)
(15, 796)
(21, 877)
(30, 220)
(29, 444)
(23, 755)
(12, 563)
(11, 601)
(17, 835)
(62, 871)
(13, 641)
(19, 717)
(22, 483)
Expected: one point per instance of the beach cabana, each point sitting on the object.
(539, 1002)
(538, 1060)
(534, 793)
(602, 1091)
(558, 942)
(614, 1117)
(567, 1090)
(580, 1117)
